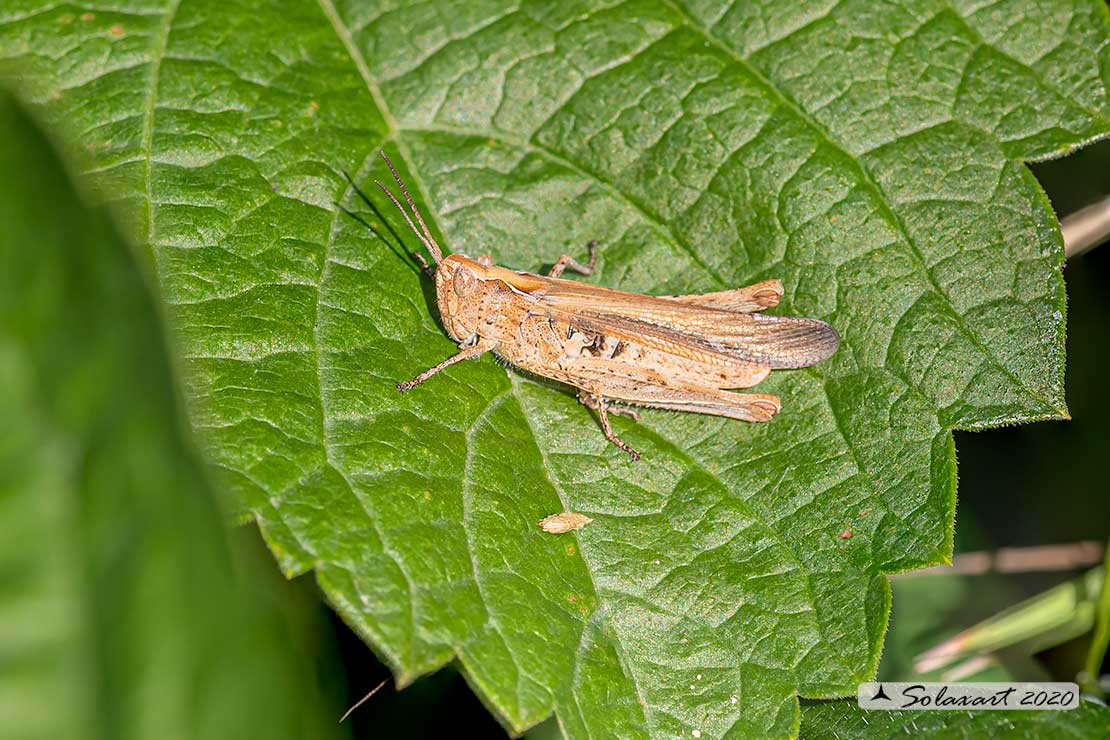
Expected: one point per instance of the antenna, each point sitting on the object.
(424, 234)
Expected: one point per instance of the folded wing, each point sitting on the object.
(678, 326)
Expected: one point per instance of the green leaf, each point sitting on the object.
(867, 156)
(844, 720)
(123, 613)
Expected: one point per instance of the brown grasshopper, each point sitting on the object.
(667, 352)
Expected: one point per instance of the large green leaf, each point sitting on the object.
(123, 612)
(866, 155)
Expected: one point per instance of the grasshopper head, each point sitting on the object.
(458, 289)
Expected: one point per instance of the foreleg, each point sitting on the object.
(466, 353)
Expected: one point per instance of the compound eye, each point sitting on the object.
(465, 282)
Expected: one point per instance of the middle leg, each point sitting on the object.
(567, 261)
(594, 400)
(588, 400)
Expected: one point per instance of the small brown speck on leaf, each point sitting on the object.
(846, 534)
(116, 30)
(87, 16)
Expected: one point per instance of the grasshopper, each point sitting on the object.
(669, 352)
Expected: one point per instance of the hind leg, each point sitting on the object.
(743, 406)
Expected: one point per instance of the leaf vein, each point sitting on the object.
(868, 180)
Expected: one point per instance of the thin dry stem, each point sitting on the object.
(362, 701)
(1086, 228)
